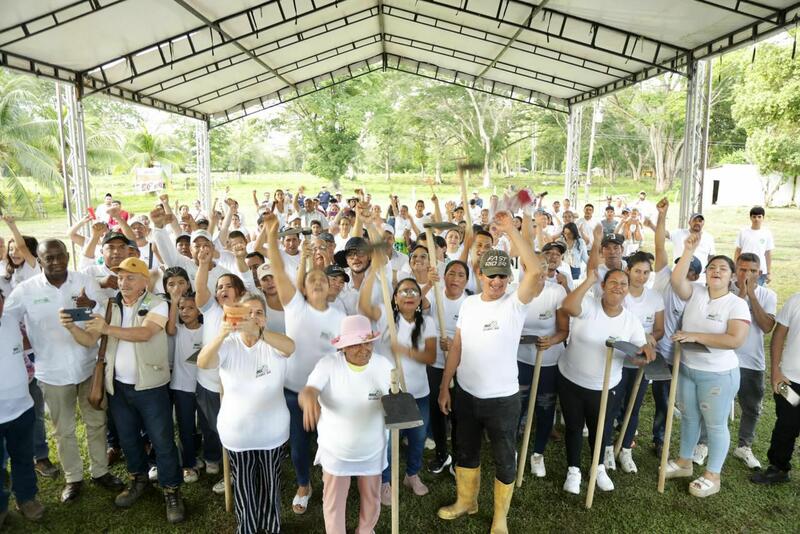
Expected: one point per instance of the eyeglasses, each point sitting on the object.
(500, 276)
(408, 292)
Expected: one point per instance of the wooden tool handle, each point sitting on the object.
(673, 389)
(537, 370)
(601, 421)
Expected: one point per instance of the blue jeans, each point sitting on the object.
(17, 435)
(299, 440)
(627, 383)
(705, 398)
(185, 410)
(151, 410)
(416, 443)
(546, 397)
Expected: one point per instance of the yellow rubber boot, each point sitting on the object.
(502, 500)
(468, 482)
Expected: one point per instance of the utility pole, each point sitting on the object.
(533, 150)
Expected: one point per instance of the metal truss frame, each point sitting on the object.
(72, 144)
(572, 172)
(203, 154)
(695, 144)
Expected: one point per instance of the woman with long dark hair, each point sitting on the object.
(576, 254)
(416, 344)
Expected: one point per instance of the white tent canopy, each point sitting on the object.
(217, 61)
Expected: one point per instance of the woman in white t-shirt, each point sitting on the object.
(253, 422)
(648, 306)
(456, 275)
(455, 244)
(581, 366)
(708, 380)
(20, 258)
(185, 326)
(342, 400)
(416, 344)
(229, 288)
(551, 327)
(311, 323)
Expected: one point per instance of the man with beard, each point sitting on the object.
(487, 337)
(705, 250)
(63, 366)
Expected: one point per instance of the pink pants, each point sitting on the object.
(334, 500)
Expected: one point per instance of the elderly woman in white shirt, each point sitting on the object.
(253, 420)
(342, 400)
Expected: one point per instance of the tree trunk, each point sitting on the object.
(438, 172)
(794, 191)
(486, 172)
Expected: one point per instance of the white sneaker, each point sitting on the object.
(219, 487)
(603, 482)
(626, 461)
(212, 468)
(152, 474)
(190, 476)
(746, 454)
(537, 465)
(608, 458)
(700, 454)
(573, 482)
(585, 431)
(199, 463)
(430, 444)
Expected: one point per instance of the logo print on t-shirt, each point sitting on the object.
(374, 395)
(492, 325)
(325, 335)
(714, 317)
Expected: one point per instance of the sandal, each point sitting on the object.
(300, 503)
(674, 470)
(703, 487)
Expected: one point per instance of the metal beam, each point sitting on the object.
(487, 62)
(454, 77)
(382, 31)
(287, 68)
(215, 26)
(738, 8)
(166, 46)
(318, 31)
(534, 12)
(631, 40)
(52, 19)
(305, 87)
(519, 45)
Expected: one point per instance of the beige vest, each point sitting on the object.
(152, 361)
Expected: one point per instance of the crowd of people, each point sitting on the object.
(219, 338)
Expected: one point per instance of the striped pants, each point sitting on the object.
(256, 480)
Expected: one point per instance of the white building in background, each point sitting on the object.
(743, 185)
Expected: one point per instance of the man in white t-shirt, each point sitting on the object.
(705, 250)
(586, 225)
(137, 379)
(785, 380)
(487, 337)
(763, 305)
(757, 240)
(63, 366)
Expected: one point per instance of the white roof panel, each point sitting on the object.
(221, 60)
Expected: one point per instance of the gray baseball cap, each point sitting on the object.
(494, 262)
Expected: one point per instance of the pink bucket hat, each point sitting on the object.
(355, 330)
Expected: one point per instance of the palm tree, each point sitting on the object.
(28, 142)
(145, 149)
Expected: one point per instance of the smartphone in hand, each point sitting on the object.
(79, 314)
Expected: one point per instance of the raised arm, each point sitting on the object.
(533, 267)
(209, 354)
(170, 215)
(202, 294)
(19, 241)
(74, 233)
(682, 286)
(280, 342)
(437, 210)
(661, 235)
(286, 289)
(572, 305)
(365, 305)
(594, 252)
(230, 209)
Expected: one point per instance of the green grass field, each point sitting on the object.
(540, 505)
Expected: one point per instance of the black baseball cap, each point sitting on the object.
(617, 239)
(111, 236)
(335, 270)
(562, 248)
(354, 243)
